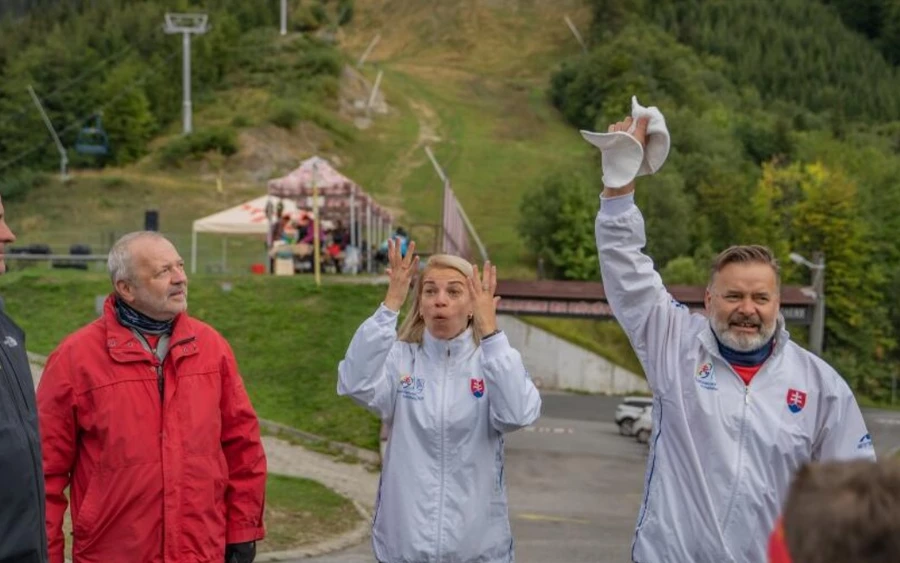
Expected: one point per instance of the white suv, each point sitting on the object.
(643, 426)
(628, 411)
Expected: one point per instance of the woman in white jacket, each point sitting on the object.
(449, 385)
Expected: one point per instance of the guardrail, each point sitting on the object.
(59, 257)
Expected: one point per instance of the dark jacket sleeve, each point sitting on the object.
(22, 536)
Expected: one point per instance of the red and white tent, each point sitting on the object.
(339, 196)
(339, 199)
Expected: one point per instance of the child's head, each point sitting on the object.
(838, 512)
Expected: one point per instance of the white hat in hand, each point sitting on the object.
(623, 157)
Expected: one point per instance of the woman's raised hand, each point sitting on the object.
(400, 271)
(485, 302)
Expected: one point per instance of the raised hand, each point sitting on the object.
(485, 301)
(400, 271)
(637, 129)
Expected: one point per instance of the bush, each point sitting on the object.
(345, 11)
(17, 183)
(327, 121)
(240, 121)
(284, 115)
(222, 139)
(308, 17)
(319, 61)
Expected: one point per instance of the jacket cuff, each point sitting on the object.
(495, 346)
(612, 206)
(385, 316)
(234, 534)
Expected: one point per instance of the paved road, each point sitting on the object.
(575, 485)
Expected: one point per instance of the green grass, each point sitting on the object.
(605, 338)
(475, 77)
(288, 337)
(300, 512)
(96, 208)
(866, 402)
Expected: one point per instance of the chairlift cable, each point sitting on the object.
(80, 122)
(26, 108)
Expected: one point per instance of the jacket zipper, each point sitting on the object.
(161, 385)
(740, 461)
(440, 519)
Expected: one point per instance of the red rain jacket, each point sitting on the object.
(151, 480)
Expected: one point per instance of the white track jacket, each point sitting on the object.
(442, 496)
(722, 453)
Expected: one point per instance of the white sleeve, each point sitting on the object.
(514, 401)
(366, 372)
(654, 322)
(843, 434)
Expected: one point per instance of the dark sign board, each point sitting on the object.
(561, 299)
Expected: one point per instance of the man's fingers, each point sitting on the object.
(641, 127)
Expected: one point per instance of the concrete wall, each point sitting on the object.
(555, 363)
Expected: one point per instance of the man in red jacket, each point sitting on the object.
(144, 417)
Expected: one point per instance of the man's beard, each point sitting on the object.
(742, 342)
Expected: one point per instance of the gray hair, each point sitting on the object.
(745, 254)
(119, 259)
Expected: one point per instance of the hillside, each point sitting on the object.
(468, 78)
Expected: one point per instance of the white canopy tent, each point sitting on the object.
(248, 218)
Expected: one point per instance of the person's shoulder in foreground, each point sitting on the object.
(22, 535)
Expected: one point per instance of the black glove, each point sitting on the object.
(240, 552)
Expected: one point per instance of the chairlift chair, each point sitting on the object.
(93, 140)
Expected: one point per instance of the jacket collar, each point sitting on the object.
(454, 348)
(782, 337)
(124, 346)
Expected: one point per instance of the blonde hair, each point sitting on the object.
(413, 327)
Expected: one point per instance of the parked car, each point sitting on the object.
(643, 426)
(628, 411)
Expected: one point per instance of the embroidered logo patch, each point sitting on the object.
(796, 400)
(477, 386)
(706, 376)
(10, 342)
(412, 387)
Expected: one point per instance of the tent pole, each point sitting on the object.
(369, 234)
(194, 252)
(353, 241)
(317, 226)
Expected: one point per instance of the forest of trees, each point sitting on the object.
(784, 127)
(109, 59)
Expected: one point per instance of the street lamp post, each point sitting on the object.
(817, 328)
